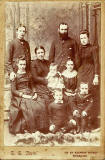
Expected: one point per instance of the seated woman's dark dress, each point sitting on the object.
(39, 71)
(26, 114)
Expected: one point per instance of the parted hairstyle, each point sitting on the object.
(83, 83)
(85, 32)
(21, 25)
(39, 47)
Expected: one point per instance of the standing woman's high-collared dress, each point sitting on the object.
(89, 64)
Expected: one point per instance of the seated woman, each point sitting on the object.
(39, 71)
(27, 110)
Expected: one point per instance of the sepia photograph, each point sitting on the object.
(52, 74)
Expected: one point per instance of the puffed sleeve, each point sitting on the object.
(96, 59)
(10, 50)
(35, 75)
(76, 50)
(28, 56)
(52, 52)
(78, 57)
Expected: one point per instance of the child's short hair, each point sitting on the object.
(69, 59)
(83, 83)
(53, 64)
(39, 47)
(84, 32)
(21, 25)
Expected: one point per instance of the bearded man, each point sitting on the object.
(63, 48)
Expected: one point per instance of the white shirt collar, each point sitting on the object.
(58, 101)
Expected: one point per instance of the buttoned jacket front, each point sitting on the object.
(62, 50)
(15, 49)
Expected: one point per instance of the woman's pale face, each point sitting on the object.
(84, 39)
(21, 65)
(70, 65)
(40, 54)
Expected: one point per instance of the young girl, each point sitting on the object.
(70, 78)
(70, 82)
(27, 111)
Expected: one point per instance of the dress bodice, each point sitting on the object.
(22, 83)
(88, 54)
(70, 80)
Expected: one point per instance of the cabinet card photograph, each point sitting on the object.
(53, 76)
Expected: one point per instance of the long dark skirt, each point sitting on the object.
(27, 114)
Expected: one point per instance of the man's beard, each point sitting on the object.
(63, 35)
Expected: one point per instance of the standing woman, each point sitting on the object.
(88, 62)
(39, 71)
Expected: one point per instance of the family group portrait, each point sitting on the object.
(52, 73)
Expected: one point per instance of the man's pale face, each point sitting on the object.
(63, 29)
(40, 54)
(84, 39)
(58, 96)
(70, 65)
(21, 65)
(84, 89)
(21, 32)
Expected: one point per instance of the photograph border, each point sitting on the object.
(91, 152)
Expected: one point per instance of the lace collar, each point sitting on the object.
(68, 74)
